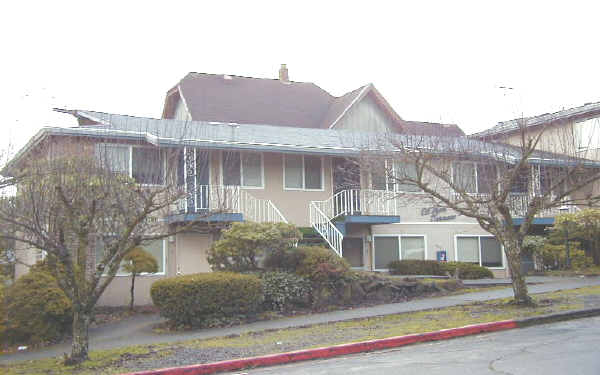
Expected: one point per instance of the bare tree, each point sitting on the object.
(504, 188)
(86, 217)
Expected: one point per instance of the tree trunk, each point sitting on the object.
(521, 295)
(132, 288)
(80, 344)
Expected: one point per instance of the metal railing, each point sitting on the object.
(260, 210)
(230, 199)
(519, 203)
(323, 225)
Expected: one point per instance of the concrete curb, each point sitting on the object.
(367, 346)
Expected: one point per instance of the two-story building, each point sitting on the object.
(573, 131)
(273, 150)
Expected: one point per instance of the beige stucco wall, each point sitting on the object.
(191, 254)
(293, 204)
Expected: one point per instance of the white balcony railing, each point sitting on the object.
(230, 199)
(259, 210)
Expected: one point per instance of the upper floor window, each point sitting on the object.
(145, 165)
(243, 169)
(587, 134)
(303, 172)
(396, 176)
(474, 177)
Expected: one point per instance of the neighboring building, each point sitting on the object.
(276, 151)
(573, 131)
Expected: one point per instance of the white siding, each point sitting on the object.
(181, 112)
(365, 115)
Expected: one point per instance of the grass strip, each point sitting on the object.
(144, 357)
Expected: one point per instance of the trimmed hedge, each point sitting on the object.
(416, 267)
(468, 270)
(196, 300)
(434, 268)
(36, 310)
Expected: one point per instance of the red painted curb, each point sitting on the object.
(332, 351)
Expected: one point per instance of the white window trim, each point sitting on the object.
(304, 175)
(163, 273)
(399, 236)
(579, 135)
(457, 236)
(130, 166)
(388, 180)
(262, 170)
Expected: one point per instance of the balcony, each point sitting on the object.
(225, 203)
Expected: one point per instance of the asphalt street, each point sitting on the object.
(571, 347)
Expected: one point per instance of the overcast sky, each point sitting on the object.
(433, 61)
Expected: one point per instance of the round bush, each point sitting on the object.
(312, 257)
(468, 271)
(286, 260)
(195, 300)
(416, 267)
(37, 310)
(284, 290)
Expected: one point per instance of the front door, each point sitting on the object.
(352, 251)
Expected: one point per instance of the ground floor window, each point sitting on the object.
(156, 248)
(398, 247)
(483, 250)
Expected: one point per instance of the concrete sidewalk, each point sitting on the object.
(138, 330)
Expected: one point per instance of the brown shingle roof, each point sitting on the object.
(223, 98)
(246, 100)
(431, 128)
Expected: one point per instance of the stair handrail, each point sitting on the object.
(323, 225)
(260, 210)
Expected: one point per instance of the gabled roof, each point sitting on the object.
(245, 100)
(565, 115)
(431, 128)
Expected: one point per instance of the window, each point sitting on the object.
(387, 249)
(398, 247)
(393, 176)
(243, 169)
(474, 177)
(412, 247)
(156, 248)
(114, 157)
(303, 172)
(587, 134)
(146, 165)
(463, 176)
(482, 250)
